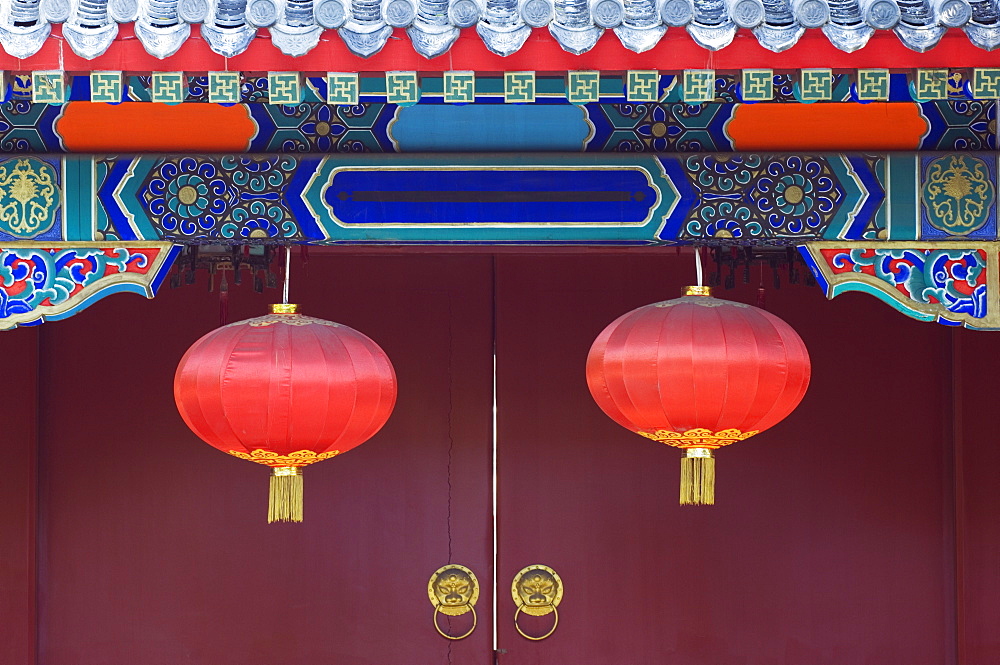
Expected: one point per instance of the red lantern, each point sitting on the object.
(285, 390)
(698, 373)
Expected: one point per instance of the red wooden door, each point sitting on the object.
(860, 530)
(154, 548)
(832, 538)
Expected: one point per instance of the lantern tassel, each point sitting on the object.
(284, 502)
(698, 477)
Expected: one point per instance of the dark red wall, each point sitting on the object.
(978, 499)
(18, 414)
(154, 547)
(831, 541)
(862, 530)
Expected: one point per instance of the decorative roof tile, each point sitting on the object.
(295, 26)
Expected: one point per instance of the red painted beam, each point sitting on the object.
(541, 52)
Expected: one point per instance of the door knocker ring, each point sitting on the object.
(537, 591)
(453, 591)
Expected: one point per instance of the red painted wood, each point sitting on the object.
(541, 52)
(19, 416)
(789, 127)
(204, 128)
(978, 539)
(155, 547)
(832, 541)
(829, 543)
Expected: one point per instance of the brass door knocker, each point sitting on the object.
(537, 591)
(453, 591)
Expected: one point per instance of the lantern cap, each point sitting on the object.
(284, 308)
(698, 291)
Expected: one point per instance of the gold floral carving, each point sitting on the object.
(699, 437)
(701, 301)
(287, 319)
(958, 194)
(298, 458)
(27, 197)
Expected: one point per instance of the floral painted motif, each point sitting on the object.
(655, 130)
(756, 196)
(323, 127)
(660, 127)
(796, 195)
(736, 229)
(187, 195)
(318, 127)
(258, 228)
(227, 197)
(725, 174)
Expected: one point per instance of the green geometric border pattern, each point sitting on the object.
(409, 87)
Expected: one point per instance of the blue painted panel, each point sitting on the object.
(491, 127)
(106, 194)
(876, 196)
(491, 196)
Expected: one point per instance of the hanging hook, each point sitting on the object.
(697, 264)
(288, 265)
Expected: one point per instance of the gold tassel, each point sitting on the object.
(284, 502)
(698, 477)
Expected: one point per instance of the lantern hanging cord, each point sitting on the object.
(697, 264)
(288, 265)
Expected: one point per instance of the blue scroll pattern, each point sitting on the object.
(226, 197)
(754, 196)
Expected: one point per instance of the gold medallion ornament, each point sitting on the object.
(537, 591)
(29, 197)
(453, 591)
(958, 194)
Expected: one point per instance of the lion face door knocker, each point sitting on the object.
(453, 590)
(537, 591)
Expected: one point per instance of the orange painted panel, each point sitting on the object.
(141, 126)
(835, 127)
